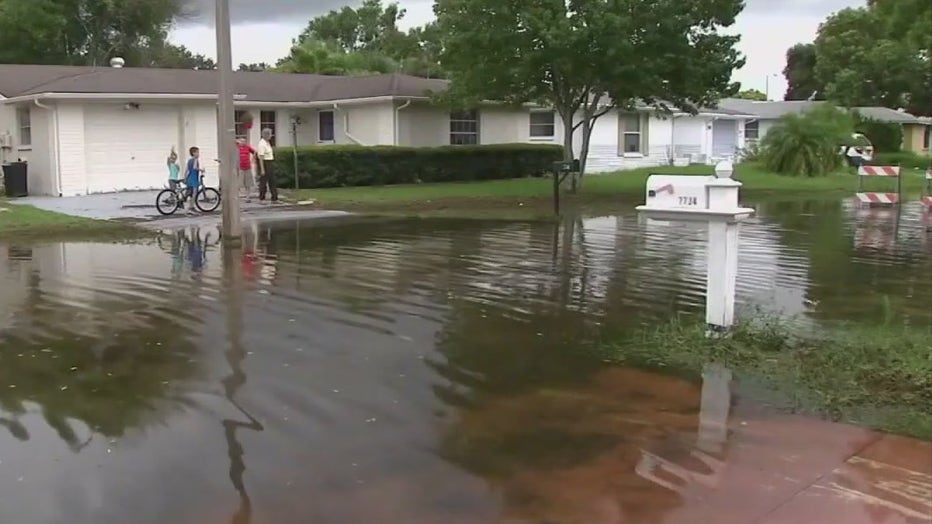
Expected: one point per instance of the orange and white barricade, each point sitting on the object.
(871, 198)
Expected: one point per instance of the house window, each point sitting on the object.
(927, 138)
(240, 125)
(631, 133)
(542, 124)
(464, 128)
(752, 131)
(325, 131)
(267, 121)
(24, 120)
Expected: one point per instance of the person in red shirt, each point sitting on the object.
(246, 154)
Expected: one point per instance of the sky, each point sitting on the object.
(263, 30)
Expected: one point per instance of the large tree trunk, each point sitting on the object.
(568, 133)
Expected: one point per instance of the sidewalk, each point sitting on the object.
(794, 470)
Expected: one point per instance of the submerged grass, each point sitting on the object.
(880, 377)
(531, 197)
(23, 222)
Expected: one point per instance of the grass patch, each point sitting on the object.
(880, 377)
(531, 197)
(22, 222)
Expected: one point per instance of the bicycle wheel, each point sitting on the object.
(167, 202)
(207, 199)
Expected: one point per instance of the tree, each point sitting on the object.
(83, 32)
(878, 55)
(367, 39)
(587, 57)
(254, 68)
(752, 94)
(161, 53)
(325, 58)
(802, 83)
(808, 144)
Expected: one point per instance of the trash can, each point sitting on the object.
(14, 179)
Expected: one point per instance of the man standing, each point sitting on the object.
(266, 176)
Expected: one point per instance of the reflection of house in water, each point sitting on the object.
(675, 267)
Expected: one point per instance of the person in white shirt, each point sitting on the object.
(266, 155)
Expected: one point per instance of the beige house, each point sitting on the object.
(103, 129)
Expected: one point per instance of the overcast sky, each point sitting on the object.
(263, 30)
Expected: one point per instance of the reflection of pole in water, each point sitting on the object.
(713, 433)
(716, 404)
(235, 356)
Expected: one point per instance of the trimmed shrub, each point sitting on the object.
(341, 165)
(905, 159)
(808, 144)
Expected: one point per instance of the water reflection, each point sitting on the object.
(405, 371)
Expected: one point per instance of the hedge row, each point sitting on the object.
(339, 166)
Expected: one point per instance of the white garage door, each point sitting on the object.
(127, 148)
(724, 138)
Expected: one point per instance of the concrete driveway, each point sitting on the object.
(139, 206)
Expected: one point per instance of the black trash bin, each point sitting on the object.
(14, 179)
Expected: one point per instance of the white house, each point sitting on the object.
(103, 129)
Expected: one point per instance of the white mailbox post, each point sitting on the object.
(714, 200)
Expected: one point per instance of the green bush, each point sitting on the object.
(808, 144)
(884, 136)
(340, 166)
(905, 159)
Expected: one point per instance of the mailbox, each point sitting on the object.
(678, 192)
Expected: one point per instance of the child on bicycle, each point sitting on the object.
(174, 170)
(193, 174)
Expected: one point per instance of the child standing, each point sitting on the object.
(193, 174)
(174, 170)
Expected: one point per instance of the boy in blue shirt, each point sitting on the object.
(192, 179)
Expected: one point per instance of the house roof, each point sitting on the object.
(778, 109)
(26, 80)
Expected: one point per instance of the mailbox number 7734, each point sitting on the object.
(688, 201)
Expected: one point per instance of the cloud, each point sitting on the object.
(269, 11)
(819, 8)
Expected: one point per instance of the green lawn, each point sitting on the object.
(27, 222)
(533, 194)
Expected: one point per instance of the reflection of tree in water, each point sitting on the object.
(880, 283)
(104, 365)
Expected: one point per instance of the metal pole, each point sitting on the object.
(226, 135)
(294, 151)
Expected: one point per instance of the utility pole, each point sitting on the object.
(226, 135)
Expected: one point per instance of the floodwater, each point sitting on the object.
(401, 371)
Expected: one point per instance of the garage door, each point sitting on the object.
(724, 138)
(127, 148)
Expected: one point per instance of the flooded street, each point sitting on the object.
(416, 371)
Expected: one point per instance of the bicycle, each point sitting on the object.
(170, 200)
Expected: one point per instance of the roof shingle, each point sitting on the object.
(23, 80)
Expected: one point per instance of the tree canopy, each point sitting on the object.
(90, 32)
(880, 54)
(752, 94)
(800, 74)
(364, 40)
(584, 57)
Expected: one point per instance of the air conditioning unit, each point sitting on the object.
(6, 141)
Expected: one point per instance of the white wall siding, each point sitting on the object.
(422, 125)
(500, 125)
(72, 150)
(9, 126)
(370, 124)
(42, 171)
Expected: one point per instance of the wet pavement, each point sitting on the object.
(437, 371)
(137, 206)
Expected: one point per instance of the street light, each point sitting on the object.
(226, 133)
